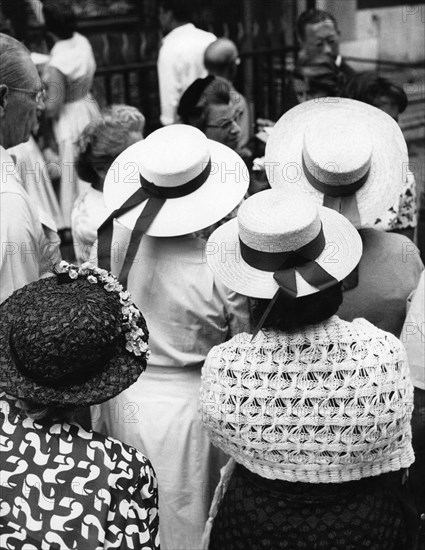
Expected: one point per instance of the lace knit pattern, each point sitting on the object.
(330, 404)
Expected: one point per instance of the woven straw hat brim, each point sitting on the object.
(389, 158)
(120, 372)
(217, 197)
(341, 255)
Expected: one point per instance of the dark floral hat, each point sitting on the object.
(71, 340)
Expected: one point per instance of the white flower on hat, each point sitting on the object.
(134, 335)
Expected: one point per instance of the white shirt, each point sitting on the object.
(180, 62)
(186, 308)
(28, 249)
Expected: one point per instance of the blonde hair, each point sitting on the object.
(105, 138)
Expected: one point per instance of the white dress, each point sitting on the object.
(75, 60)
(187, 312)
(30, 246)
(34, 175)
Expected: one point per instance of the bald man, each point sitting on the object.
(222, 59)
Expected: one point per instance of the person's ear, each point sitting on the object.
(4, 90)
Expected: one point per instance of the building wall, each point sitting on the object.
(393, 33)
(399, 30)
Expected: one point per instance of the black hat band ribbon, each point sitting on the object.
(284, 264)
(156, 197)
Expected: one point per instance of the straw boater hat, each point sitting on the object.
(345, 154)
(72, 340)
(283, 241)
(172, 158)
(174, 182)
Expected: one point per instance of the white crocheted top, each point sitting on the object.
(330, 404)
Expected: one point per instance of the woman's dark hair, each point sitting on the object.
(369, 86)
(213, 90)
(183, 10)
(289, 315)
(59, 17)
(85, 168)
(42, 413)
(321, 75)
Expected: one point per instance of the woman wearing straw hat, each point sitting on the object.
(67, 342)
(162, 189)
(352, 157)
(314, 411)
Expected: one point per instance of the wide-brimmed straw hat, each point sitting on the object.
(71, 340)
(283, 241)
(345, 154)
(174, 182)
(201, 180)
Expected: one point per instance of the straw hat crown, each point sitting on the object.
(273, 223)
(275, 228)
(184, 155)
(86, 321)
(343, 153)
(71, 343)
(200, 181)
(337, 150)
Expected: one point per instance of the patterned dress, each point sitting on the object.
(62, 487)
(405, 214)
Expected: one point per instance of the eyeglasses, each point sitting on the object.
(39, 96)
(225, 124)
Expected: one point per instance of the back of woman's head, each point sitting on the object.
(105, 138)
(291, 315)
(59, 18)
(199, 96)
(317, 77)
(369, 86)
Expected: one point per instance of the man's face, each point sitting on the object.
(19, 118)
(221, 125)
(321, 38)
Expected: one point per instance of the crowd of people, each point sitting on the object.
(217, 364)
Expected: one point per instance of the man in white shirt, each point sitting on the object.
(28, 249)
(181, 56)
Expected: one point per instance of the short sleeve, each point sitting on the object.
(169, 79)
(237, 310)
